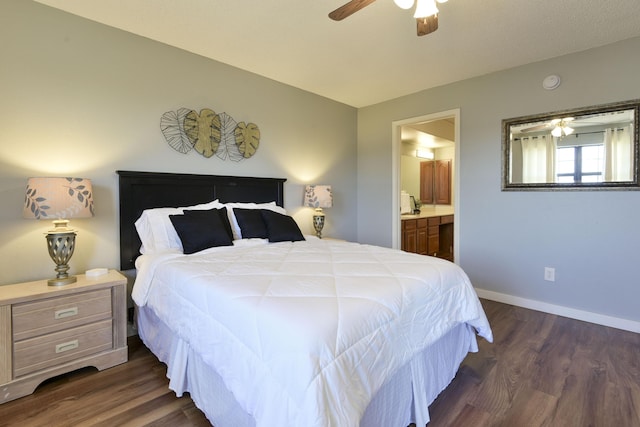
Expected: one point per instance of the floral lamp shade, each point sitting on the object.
(318, 196)
(58, 198)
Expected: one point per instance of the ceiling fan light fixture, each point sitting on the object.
(425, 8)
(561, 130)
(404, 4)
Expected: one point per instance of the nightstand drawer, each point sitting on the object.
(32, 319)
(54, 349)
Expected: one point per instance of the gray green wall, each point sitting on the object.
(506, 239)
(83, 99)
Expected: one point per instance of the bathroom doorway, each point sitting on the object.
(419, 141)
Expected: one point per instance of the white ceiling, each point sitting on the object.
(373, 55)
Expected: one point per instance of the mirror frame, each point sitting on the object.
(576, 112)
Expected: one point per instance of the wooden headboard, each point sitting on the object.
(145, 190)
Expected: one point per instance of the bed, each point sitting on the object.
(277, 330)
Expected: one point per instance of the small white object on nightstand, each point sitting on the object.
(95, 272)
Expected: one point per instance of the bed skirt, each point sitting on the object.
(403, 399)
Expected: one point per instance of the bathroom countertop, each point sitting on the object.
(428, 212)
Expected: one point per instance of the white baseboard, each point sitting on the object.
(572, 313)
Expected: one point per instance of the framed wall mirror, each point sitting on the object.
(592, 148)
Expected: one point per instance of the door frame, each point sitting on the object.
(396, 127)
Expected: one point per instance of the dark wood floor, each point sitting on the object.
(541, 370)
(545, 370)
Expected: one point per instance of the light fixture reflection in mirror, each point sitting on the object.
(592, 148)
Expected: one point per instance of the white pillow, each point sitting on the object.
(237, 233)
(156, 231)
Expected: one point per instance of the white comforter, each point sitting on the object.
(305, 333)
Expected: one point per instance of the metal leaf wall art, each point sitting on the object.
(209, 133)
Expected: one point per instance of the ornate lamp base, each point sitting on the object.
(61, 282)
(318, 222)
(61, 242)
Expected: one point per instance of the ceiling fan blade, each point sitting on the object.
(427, 25)
(348, 9)
(537, 128)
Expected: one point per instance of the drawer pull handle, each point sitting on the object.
(67, 312)
(66, 346)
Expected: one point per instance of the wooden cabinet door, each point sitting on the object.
(433, 236)
(426, 182)
(422, 245)
(410, 241)
(409, 235)
(443, 182)
(446, 241)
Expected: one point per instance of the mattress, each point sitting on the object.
(307, 333)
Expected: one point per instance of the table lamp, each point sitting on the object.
(318, 197)
(59, 199)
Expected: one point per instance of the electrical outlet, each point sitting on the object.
(550, 274)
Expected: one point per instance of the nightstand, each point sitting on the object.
(47, 331)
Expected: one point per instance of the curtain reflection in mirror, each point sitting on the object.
(618, 157)
(538, 159)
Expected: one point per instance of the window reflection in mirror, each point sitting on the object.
(588, 148)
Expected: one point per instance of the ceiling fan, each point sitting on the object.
(426, 12)
(560, 127)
